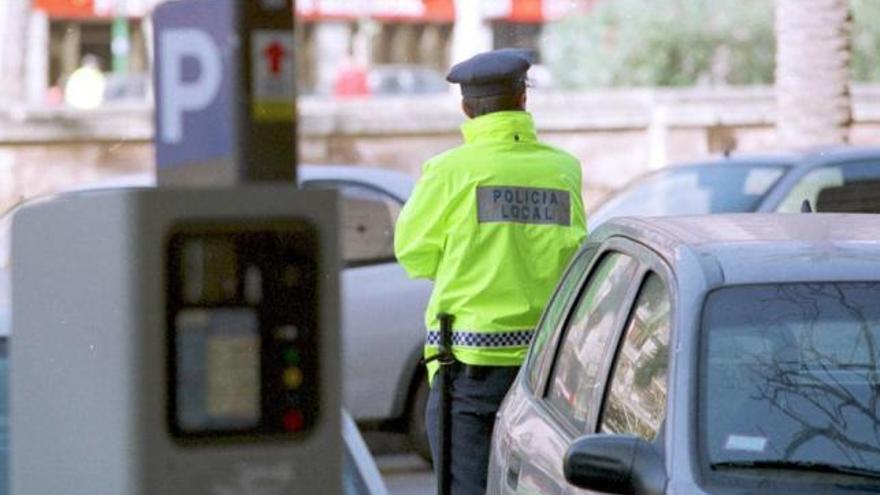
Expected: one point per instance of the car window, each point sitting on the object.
(791, 373)
(581, 356)
(846, 188)
(537, 360)
(710, 188)
(636, 398)
(368, 218)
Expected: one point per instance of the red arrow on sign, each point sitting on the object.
(275, 54)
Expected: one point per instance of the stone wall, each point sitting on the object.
(616, 134)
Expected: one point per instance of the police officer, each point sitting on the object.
(493, 223)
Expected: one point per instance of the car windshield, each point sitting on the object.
(693, 190)
(791, 378)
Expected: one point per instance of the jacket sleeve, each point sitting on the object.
(420, 234)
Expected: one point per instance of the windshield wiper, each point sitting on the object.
(816, 467)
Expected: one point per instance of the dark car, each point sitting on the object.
(711, 354)
(833, 180)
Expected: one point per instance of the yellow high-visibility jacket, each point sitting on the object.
(493, 223)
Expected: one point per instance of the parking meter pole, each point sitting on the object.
(444, 452)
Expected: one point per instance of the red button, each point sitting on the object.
(294, 420)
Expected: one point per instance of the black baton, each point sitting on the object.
(444, 430)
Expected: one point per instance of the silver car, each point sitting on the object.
(713, 354)
(833, 180)
(383, 324)
(382, 310)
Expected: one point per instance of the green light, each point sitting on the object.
(291, 356)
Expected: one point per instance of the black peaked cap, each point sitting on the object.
(491, 73)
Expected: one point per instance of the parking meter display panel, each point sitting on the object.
(242, 319)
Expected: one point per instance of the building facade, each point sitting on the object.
(333, 36)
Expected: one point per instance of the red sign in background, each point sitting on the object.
(66, 8)
(404, 10)
(526, 11)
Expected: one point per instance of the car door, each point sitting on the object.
(382, 309)
(505, 465)
(546, 420)
(632, 391)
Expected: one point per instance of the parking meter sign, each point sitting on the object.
(225, 92)
(194, 83)
(272, 75)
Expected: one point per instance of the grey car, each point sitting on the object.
(841, 180)
(706, 354)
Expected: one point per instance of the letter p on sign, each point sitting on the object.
(179, 93)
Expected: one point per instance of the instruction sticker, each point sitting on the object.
(746, 443)
(523, 205)
(273, 86)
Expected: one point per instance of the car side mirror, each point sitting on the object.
(619, 464)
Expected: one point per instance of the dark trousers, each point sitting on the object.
(475, 400)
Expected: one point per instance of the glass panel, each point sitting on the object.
(537, 360)
(849, 187)
(792, 374)
(368, 218)
(636, 402)
(352, 481)
(582, 354)
(709, 188)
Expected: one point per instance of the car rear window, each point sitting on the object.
(693, 190)
(851, 187)
(792, 374)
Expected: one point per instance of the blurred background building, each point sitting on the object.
(625, 85)
(401, 45)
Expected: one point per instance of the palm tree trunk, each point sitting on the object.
(812, 72)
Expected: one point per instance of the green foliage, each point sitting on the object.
(865, 40)
(664, 43)
(686, 42)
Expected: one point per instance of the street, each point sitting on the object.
(404, 472)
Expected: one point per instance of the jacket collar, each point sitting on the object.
(513, 126)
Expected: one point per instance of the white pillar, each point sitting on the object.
(14, 16)
(363, 42)
(37, 63)
(471, 34)
(658, 136)
(331, 52)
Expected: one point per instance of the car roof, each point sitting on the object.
(806, 158)
(397, 183)
(751, 248)
(746, 160)
(828, 154)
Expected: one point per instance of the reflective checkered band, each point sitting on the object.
(518, 338)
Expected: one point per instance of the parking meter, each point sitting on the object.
(176, 341)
